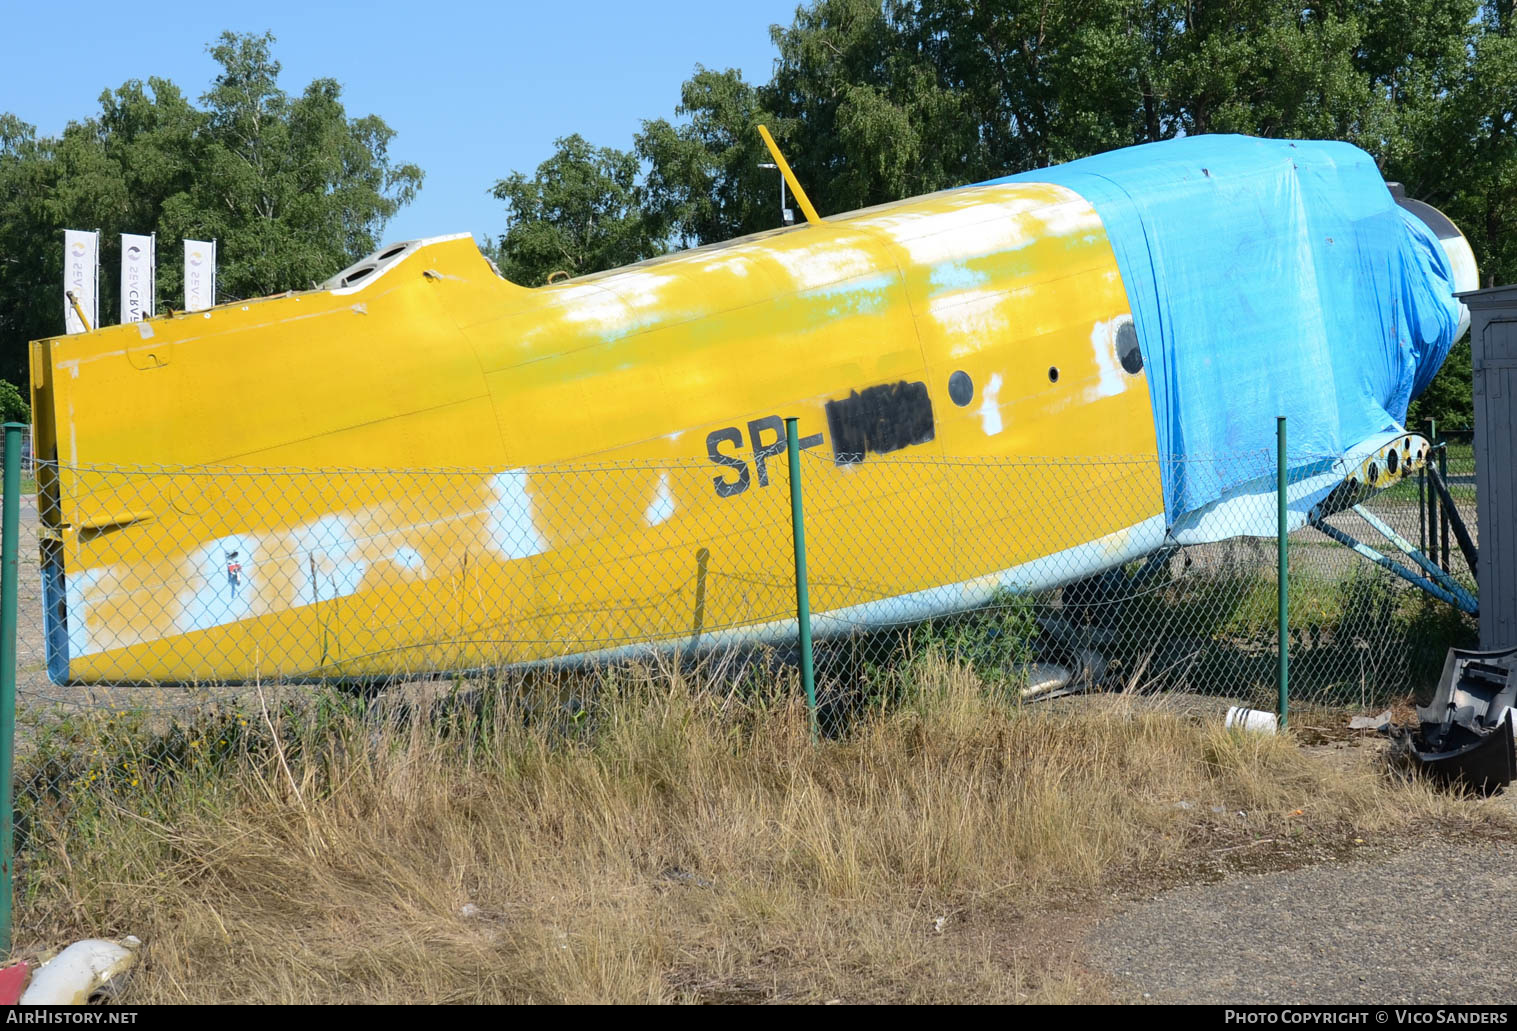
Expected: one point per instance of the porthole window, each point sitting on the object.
(960, 388)
(1128, 352)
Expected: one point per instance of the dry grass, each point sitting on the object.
(671, 845)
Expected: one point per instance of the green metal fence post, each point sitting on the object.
(1282, 548)
(10, 548)
(802, 589)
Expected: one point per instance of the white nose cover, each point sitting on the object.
(1466, 275)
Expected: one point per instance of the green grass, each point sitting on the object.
(28, 484)
(1405, 492)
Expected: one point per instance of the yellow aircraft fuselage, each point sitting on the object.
(609, 450)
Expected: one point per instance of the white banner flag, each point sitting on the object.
(138, 265)
(81, 278)
(199, 274)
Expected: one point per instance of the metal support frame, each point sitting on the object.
(1451, 517)
(1422, 583)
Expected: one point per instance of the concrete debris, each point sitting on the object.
(1377, 723)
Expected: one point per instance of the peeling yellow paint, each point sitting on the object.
(437, 363)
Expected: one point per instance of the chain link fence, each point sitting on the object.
(150, 587)
(175, 607)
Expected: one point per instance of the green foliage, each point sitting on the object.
(1431, 629)
(703, 182)
(1391, 640)
(577, 214)
(875, 100)
(13, 406)
(1448, 398)
(866, 103)
(292, 188)
(996, 640)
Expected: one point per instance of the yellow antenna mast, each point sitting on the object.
(79, 311)
(795, 187)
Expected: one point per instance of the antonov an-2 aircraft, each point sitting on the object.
(1011, 385)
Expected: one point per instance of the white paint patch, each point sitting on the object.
(1074, 217)
(79, 591)
(996, 234)
(510, 528)
(990, 408)
(823, 263)
(210, 598)
(410, 560)
(619, 305)
(592, 304)
(319, 561)
(735, 264)
(956, 275)
(973, 318)
(331, 566)
(981, 226)
(662, 508)
(642, 289)
(1103, 344)
(529, 337)
(73, 364)
(855, 297)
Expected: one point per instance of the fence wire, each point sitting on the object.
(164, 612)
(156, 589)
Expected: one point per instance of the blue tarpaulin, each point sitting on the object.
(1266, 278)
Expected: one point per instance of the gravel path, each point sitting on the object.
(1427, 926)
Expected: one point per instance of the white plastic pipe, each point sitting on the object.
(81, 971)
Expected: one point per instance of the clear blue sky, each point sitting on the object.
(474, 89)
